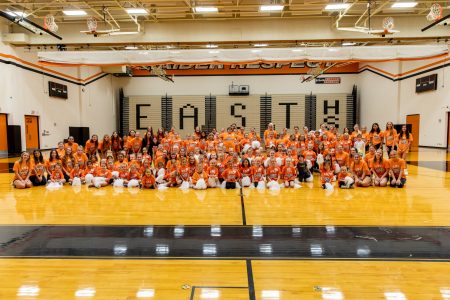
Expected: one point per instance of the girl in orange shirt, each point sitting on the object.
(345, 179)
(199, 178)
(273, 171)
(183, 171)
(51, 162)
(246, 172)
(22, 171)
(61, 150)
(104, 146)
(326, 175)
(102, 176)
(231, 176)
(57, 175)
(116, 143)
(289, 173)
(213, 174)
(148, 180)
(397, 175)
(390, 137)
(88, 174)
(405, 139)
(91, 146)
(361, 171)
(38, 169)
(379, 168)
(376, 138)
(258, 172)
(76, 172)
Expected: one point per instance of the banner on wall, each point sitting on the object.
(184, 113)
(247, 69)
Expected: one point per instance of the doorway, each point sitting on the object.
(32, 132)
(414, 121)
(3, 134)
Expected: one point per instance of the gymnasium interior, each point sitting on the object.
(78, 68)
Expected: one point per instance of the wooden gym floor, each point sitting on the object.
(374, 243)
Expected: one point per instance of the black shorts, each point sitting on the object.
(402, 182)
(230, 185)
(34, 180)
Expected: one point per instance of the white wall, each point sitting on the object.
(385, 100)
(432, 106)
(23, 92)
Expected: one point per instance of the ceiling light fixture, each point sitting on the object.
(17, 14)
(137, 11)
(74, 13)
(131, 48)
(337, 6)
(271, 7)
(348, 44)
(211, 46)
(261, 45)
(404, 5)
(206, 9)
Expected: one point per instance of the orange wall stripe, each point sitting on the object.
(40, 67)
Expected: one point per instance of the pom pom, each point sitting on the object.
(200, 185)
(261, 185)
(89, 178)
(256, 145)
(320, 159)
(118, 183)
(76, 181)
(184, 185)
(133, 183)
(246, 181)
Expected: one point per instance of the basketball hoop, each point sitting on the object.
(388, 24)
(50, 24)
(91, 24)
(435, 12)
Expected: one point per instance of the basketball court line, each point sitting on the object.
(193, 288)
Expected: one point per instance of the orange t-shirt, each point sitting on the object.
(231, 175)
(148, 181)
(326, 176)
(74, 147)
(342, 158)
(76, 173)
(99, 172)
(403, 142)
(376, 138)
(379, 168)
(213, 172)
(397, 165)
(273, 172)
(57, 175)
(184, 172)
(390, 137)
(257, 173)
(360, 168)
(21, 168)
(310, 155)
(289, 173)
(196, 177)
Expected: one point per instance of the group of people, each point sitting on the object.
(229, 158)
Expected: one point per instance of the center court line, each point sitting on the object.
(251, 283)
(244, 219)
